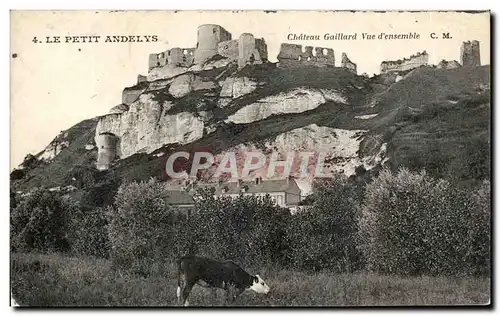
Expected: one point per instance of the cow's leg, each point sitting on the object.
(232, 292)
(228, 295)
(237, 292)
(185, 291)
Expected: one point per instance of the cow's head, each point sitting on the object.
(259, 285)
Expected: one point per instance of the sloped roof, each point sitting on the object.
(265, 186)
(177, 196)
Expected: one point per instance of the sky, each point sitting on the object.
(57, 85)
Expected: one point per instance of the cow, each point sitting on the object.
(214, 274)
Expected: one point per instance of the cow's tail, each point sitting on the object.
(179, 272)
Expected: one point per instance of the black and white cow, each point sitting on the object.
(207, 272)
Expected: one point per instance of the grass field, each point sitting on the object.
(56, 280)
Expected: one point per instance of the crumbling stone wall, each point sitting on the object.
(229, 49)
(261, 47)
(246, 50)
(209, 37)
(157, 60)
(181, 56)
(469, 54)
(107, 150)
(325, 55)
(290, 51)
(175, 56)
(414, 61)
(251, 50)
(293, 55)
(347, 63)
(451, 64)
(212, 40)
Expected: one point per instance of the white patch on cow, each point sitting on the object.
(186, 303)
(260, 286)
(179, 292)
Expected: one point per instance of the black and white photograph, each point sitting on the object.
(250, 158)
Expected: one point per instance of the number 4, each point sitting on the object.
(34, 40)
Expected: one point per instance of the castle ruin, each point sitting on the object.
(214, 40)
(291, 55)
(469, 54)
(107, 146)
(414, 61)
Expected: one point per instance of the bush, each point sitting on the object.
(480, 230)
(247, 229)
(17, 174)
(141, 229)
(323, 236)
(88, 232)
(38, 222)
(413, 224)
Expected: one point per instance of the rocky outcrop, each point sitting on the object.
(53, 149)
(165, 72)
(120, 108)
(338, 149)
(146, 127)
(237, 87)
(405, 64)
(295, 101)
(186, 83)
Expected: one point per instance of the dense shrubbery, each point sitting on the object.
(38, 222)
(247, 229)
(413, 224)
(88, 232)
(399, 223)
(323, 236)
(140, 228)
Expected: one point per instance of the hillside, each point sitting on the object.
(433, 118)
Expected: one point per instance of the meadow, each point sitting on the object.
(59, 280)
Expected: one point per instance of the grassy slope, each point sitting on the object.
(446, 116)
(75, 156)
(64, 281)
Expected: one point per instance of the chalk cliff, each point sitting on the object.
(295, 101)
(146, 126)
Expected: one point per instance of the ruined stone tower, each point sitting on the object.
(209, 37)
(348, 64)
(469, 54)
(107, 149)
